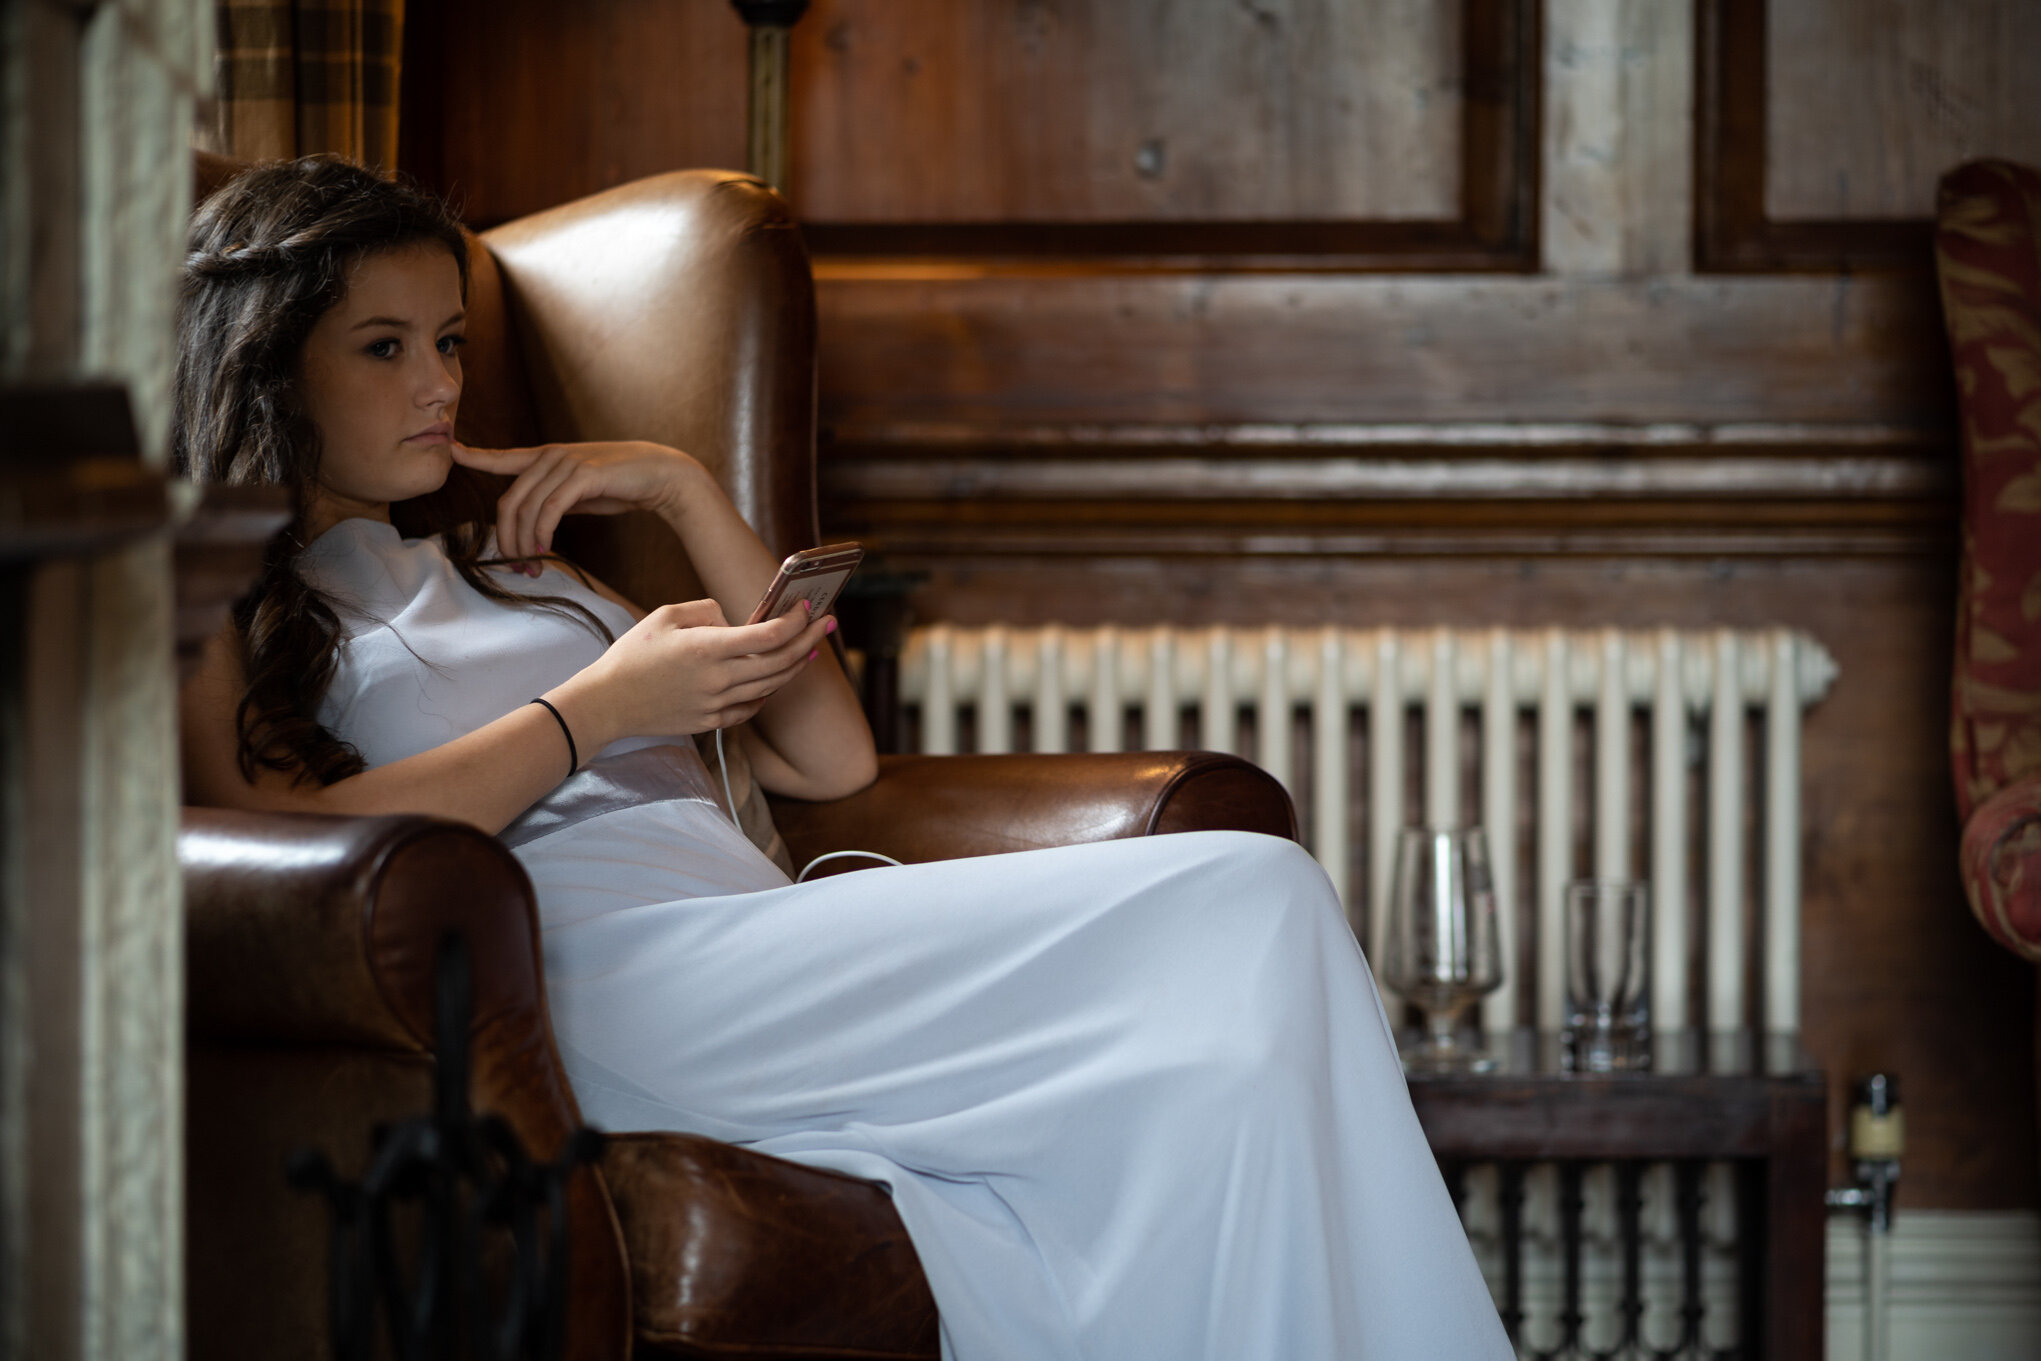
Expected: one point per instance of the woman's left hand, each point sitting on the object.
(553, 480)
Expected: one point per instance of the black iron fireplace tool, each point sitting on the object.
(454, 1231)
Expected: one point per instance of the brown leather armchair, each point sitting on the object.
(680, 309)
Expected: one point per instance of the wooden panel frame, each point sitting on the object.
(1732, 233)
(1502, 46)
(1669, 491)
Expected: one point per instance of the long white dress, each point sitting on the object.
(1135, 1101)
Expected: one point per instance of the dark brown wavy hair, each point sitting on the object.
(268, 255)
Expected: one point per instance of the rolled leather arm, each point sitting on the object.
(947, 807)
(322, 935)
(325, 930)
(2001, 863)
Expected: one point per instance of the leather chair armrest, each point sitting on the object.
(2001, 863)
(312, 929)
(311, 945)
(769, 1257)
(949, 807)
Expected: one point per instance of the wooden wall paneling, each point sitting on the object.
(905, 360)
(1618, 173)
(932, 112)
(1502, 102)
(1666, 490)
(511, 106)
(1716, 529)
(1734, 231)
(898, 158)
(1871, 101)
(515, 107)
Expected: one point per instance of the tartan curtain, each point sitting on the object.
(299, 76)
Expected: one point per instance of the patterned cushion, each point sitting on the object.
(2002, 867)
(1988, 250)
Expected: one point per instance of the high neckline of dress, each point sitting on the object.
(354, 531)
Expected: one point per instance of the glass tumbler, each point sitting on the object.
(1608, 977)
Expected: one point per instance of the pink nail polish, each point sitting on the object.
(829, 625)
(808, 605)
(813, 652)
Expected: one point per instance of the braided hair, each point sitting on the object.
(268, 255)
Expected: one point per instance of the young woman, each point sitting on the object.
(1133, 1100)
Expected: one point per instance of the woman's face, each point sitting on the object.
(381, 378)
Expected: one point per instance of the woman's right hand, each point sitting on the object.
(685, 669)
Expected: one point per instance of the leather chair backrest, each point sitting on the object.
(679, 309)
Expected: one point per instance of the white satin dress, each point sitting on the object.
(1135, 1101)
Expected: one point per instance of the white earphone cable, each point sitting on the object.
(723, 769)
(839, 855)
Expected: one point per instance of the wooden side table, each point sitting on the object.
(1758, 1103)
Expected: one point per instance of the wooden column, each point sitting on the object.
(95, 134)
(765, 146)
(74, 497)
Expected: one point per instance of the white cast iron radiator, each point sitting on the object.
(1666, 755)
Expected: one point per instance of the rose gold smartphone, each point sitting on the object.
(816, 575)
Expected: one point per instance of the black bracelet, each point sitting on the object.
(573, 756)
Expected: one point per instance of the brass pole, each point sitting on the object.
(765, 143)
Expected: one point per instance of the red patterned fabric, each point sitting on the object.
(1988, 251)
(2002, 867)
